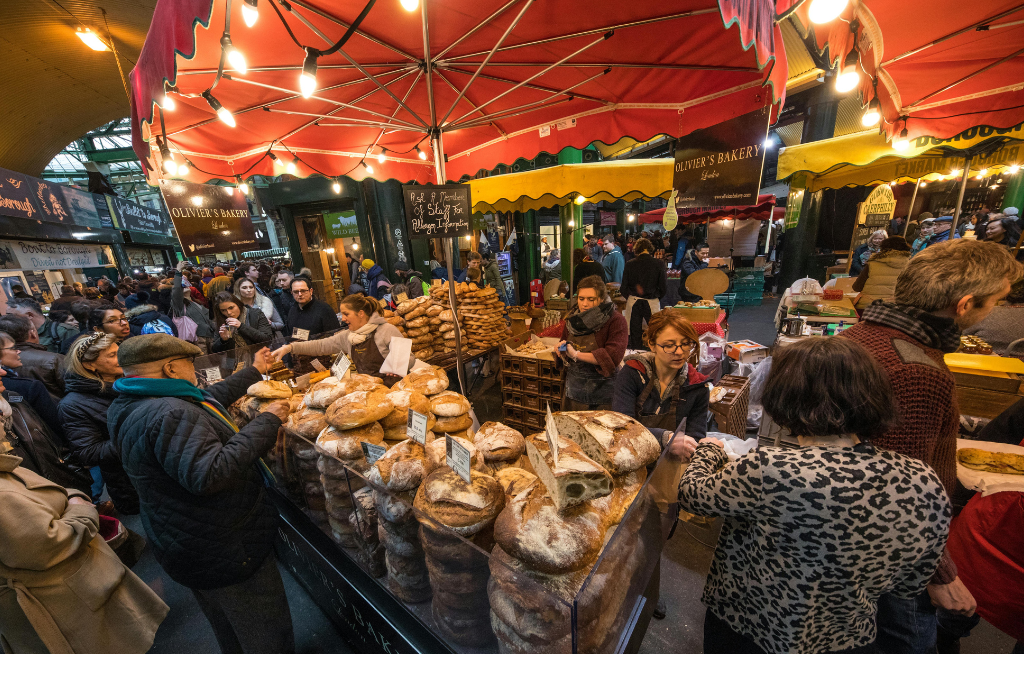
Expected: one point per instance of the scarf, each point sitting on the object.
(866, 255)
(180, 389)
(364, 332)
(929, 330)
(240, 342)
(589, 322)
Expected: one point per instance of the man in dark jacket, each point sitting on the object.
(144, 318)
(694, 260)
(309, 316)
(644, 283)
(36, 361)
(201, 487)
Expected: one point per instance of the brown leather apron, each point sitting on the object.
(367, 359)
(663, 418)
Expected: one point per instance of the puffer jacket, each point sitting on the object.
(39, 363)
(83, 413)
(203, 502)
(883, 268)
(143, 314)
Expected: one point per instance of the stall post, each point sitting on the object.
(960, 197)
(910, 210)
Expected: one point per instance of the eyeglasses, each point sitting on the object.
(674, 347)
(297, 292)
(116, 320)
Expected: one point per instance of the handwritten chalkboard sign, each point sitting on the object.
(437, 211)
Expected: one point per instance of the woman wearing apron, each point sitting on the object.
(594, 341)
(366, 341)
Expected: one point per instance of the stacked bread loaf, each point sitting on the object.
(364, 520)
(503, 448)
(397, 475)
(453, 416)
(419, 319)
(480, 314)
(458, 571)
(341, 459)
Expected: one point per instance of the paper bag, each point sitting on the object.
(397, 361)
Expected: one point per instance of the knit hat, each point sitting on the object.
(367, 264)
(141, 349)
(401, 266)
(136, 299)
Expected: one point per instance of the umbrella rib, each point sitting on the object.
(384, 128)
(497, 13)
(360, 32)
(471, 103)
(355, 120)
(537, 75)
(601, 30)
(269, 69)
(519, 111)
(680, 66)
(483, 63)
(967, 77)
(953, 35)
(509, 81)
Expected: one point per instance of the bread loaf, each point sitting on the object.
(449, 404)
(467, 434)
(499, 443)
(513, 480)
(402, 467)
(619, 443)
(307, 422)
(453, 425)
(359, 408)
(346, 444)
(406, 306)
(427, 381)
(437, 454)
(403, 400)
(575, 479)
(324, 393)
(465, 508)
(270, 389)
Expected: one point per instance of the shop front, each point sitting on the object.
(42, 268)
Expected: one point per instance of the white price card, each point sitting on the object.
(551, 433)
(372, 452)
(458, 458)
(318, 365)
(416, 428)
(341, 366)
(300, 334)
(213, 374)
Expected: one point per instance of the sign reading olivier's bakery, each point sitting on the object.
(211, 219)
(721, 165)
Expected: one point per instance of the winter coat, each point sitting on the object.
(374, 276)
(415, 285)
(39, 363)
(283, 302)
(83, 414)
(255, 329)
(198, 314)
(56, 571)
(220, 283)
(37, 436)
(316, 317)
(644, 277)
(266, 305)
(204, 506)
(614, 265)
(145, 313)
(492, 275)
(880, 275)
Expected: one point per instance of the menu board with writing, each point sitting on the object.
(437, 211)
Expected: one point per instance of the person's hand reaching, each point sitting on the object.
(713, 441)
(682, 446)
(281, 352)
(279, 408)
(263, 359)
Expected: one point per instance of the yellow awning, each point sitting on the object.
(643, 178)
(866, 158)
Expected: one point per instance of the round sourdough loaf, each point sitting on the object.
(345, 444)
(499, 443)
(513, 480)
(427, 380)
(359, 408)
(401, 468)
(453, 425)
(449, 404)
(465, 508)
(307, 422)
(437, 454)
(403, 400)
(269, 389)
(625, 444)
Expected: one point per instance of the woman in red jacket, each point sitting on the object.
(594, 336)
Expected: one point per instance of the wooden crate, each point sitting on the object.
(731, 411)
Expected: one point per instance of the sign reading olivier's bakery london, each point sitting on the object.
(721, 165)
(210, 219)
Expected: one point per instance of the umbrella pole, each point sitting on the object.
(960, 197)
(910, 211)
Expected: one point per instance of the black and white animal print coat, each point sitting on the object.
(812, 537)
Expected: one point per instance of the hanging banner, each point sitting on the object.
(721, 165)
(135, 217)
(31, 198)
(211, 219)
(41, 255)
(82, 207)
(608, 218)
(437, 211)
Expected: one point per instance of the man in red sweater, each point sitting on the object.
(945, 288)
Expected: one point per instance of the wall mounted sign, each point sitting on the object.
(41, 255)
(341, 224)
(721, 165)
(31, 198)
(211, 219)
(437, 211)
(135, 217)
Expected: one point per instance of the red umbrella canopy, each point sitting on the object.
(487, 81)
(941, 67)
(762, 211)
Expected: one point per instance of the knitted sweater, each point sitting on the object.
(929, 413)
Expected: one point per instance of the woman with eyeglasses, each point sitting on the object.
(661, 388)
(593, 343)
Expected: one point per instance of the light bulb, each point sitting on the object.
(249, 12)
(631, 217)
(823, 11)
(329, 251)
(183, 169)
(170, 167)
(369, 168)
(336, 187)
(956, 173)
(91, 40)
(382, 156)
(993, 187)
(1014, 168)
(924, 183)
(225, 116)
(307, 80)
(292, 166)
(848, 79)
(229, 189)
(242, 185)
(236, 59)
(571, 223)
(421, 154)
(469, 238)
(167, 103)
(410, 5)
(768, 143)
(580, 199)
(197, 201)
(355, 246)
(902, 142)
(873, 115)
(892, 183)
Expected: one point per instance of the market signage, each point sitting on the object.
(33, 255)
(437, 211)
(31, 198)
(210, 219)
(132, 216)
(721, 165)
(925, 165)
(341, 224)
(878, 209)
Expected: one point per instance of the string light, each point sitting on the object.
(225, 116)
(235, 57)
(873, 115)
(170, 167)
(241, 184)
(892, 183)
(307, 80)
(184, 168)
(848, 77)
(369, 168)
(355, 246)
(421, 154)
(336, 187)
(902, 143)
(1013, 168)
(229, 189)
(293, 166)
(982, 173)
(329, 251)
(823, 11)
(571, 223)
(956, 172)
(90, 39)
(768, 143)
(382, 156)
(167, 103)
(410, 5)
(631, 217)
(468, 237)
(580, 199)
(924, 183)
(250, 13)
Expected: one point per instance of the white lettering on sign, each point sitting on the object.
(416, 427)
(717, 158)
(341, 366)
(399, 246)
(458, 458)
(545, 131)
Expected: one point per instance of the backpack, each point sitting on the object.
(158, 326)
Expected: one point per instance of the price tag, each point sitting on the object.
(551, 433)
(318, 365)
(372, 452)
(300, 334)
(14, 398)
(416, 427)
(459, 459)
(213, 374)
(341, 365)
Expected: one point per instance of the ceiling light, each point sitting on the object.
(229, 189)
(580, 199)
(982, 173)
(184, 168)
(1013, 168)
(307, 80)
(241, 184)
(468, 237)
(892, 184)
(823, 11)
(410, 5)
(225, 116)
(924, 183)
(848, 78)
(91, 40)
(235, 57)
(369, 168)
(382, 156)
(355, 246)
(336, 187)
(250, 13)
(993, 187)
(421, 154)
(902, 142)
(873, 115)
(170, 167)
(293, 166)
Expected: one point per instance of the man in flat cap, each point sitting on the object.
(201, 487)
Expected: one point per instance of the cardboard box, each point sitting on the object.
(746, 351)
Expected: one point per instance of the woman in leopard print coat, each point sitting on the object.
(814, 535)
